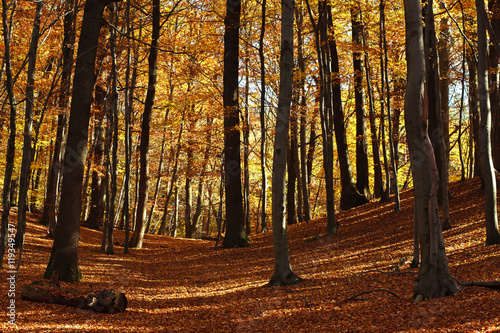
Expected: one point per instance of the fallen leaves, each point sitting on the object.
(177, 285)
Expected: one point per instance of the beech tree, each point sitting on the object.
(488, 170)
(63, 260)
(283, 274)
(235, 229)
(434, 278)
(138, 235)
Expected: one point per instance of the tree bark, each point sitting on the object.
(434, 278)
(437, 128)
(11, 143)
(262, 115)
(138, 235)
(28, 129)
(362, 182)
(64, 256)
(283, 274)
(488, 171)
(49, 215)
(235, 232)
(349, 197)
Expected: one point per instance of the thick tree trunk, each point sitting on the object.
(283, 274)
(434, 278)
(64, 256)
(488, 171)
(235, 234)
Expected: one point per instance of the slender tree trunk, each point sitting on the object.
(283, 274)
(304, 174)
(63, 260)
(173, 179)
(378, 184)
(392, 152)
(434, 278)
(113, 117)
(494, 8)
(349, 197)
(138, 235)
(325, 110)
(362, 182)
(49, 215)
(263, 128)
(96, 211)
(27, 134)
(235, 234)
(488, 173)
(157, 185)
(246, 149)
(436, 126)
(11, 148)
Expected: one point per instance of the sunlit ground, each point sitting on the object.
(176, 285)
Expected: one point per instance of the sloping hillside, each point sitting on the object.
(177, 285)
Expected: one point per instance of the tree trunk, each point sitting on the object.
(434, 278)
(138, 235)
(392, 153)
(488, 171)
(49, 215)
(262, 115)
(494, 8)
(283, 274)
(378, 184)
(349, 197)
(362, 182)
(235, 234)
(96, 212)
(304, 174)
(28, 129)
(436, 125)
(11, 143)
(64, 256)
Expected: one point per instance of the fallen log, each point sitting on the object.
(106, 301)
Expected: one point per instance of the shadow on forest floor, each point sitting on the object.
(178, 285)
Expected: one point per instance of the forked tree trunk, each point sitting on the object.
(434, 278)
(283, 274)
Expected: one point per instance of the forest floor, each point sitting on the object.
(179, 285)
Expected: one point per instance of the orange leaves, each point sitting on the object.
(180, 285)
